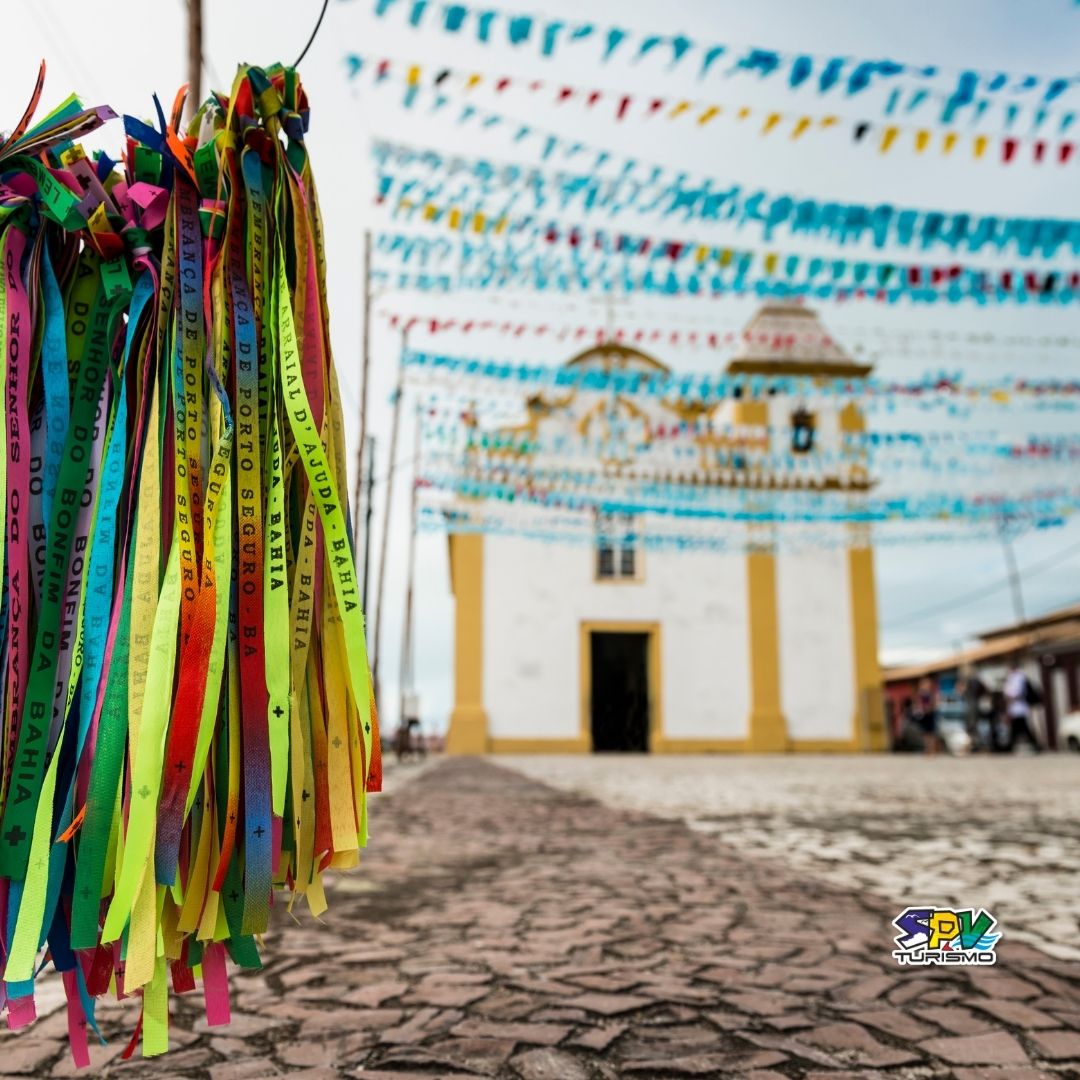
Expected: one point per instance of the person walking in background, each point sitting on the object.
(979, 716)
(1020, 696)
(999, 722)
(925, 712)
(967, 690)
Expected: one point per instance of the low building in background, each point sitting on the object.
(1050, 650)
(629, 640)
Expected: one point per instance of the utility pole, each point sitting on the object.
(1014, 577)
(363, 449)
(365, 367)
(369, 508)
(194, 55)
(406, 666)
(399, 394)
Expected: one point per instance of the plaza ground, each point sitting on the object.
(1000, 832)
(660, 917)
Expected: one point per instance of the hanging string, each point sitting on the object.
(314, 33)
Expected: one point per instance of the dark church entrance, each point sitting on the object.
(619, 692)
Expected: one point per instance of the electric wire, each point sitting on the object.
(965, 599)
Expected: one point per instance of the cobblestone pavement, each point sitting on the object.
(503, 928)
(999, 832)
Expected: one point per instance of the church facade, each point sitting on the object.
(627, 642)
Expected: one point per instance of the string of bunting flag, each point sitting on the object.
(971, 90)
(581, 528)
(884, 135)
(698, 454)
(476, 187)
(572, 259)
(679, 437)
(903, 341)
(708, 387)
(530, 233)
(744, 499)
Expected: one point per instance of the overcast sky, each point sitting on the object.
(121, 61)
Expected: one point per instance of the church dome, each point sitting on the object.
(790, 339)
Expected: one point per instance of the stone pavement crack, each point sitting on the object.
(506, 929)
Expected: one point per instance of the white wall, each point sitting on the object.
(536, 596)
(817, 678)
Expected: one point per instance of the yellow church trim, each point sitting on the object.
(869, 720)
(538, 746)
(698, 746)
(868, 723)
(751, 413)
(852, 419)
(767, 726)
(653, 668)
(468, 733)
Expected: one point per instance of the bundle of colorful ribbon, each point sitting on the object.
(188, 721)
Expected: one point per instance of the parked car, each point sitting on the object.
(952, 713)
(1069, 732)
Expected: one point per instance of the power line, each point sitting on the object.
(967, 598)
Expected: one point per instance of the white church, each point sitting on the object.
(622, 645)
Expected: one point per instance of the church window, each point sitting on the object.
(616, 547)
(802, 431)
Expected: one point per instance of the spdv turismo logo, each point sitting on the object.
(945, 936)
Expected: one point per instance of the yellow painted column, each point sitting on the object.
(869, 721)
(767, 726)
(468, 732)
